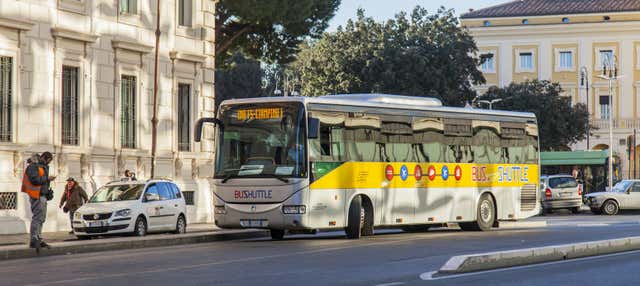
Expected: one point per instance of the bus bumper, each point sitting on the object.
(267, 216)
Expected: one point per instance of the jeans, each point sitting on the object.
(39, 211)
(71, 219)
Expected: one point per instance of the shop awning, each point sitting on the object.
(573, 158)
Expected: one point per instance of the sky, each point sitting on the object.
(386, 9)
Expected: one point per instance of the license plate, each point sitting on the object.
(254, 223)
(565, 194)
(99, 223)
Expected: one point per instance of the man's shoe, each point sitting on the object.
(45, 245)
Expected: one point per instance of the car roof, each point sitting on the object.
(126, 181)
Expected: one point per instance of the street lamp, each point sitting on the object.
(611, 76)
(584, 81)
(490, 103)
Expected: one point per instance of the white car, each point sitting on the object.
(131, 206)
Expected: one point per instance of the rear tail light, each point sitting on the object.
(579, 189)
(547, 193)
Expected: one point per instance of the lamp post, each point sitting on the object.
(154, 119)
(611, 76)
(584, 81)
(490, 103)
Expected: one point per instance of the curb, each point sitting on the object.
(85, 246)
(501, 259)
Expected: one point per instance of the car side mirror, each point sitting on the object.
(314, 128)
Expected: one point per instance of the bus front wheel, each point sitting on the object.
(485, 216)
(356, 219)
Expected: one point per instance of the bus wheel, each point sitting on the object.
(277, 234)
(367, 214)
(486, 216)
(356, 219)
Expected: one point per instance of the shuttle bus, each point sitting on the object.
(358, 162)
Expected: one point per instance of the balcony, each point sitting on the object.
(603, 124)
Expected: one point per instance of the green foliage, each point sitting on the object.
(269, 30)
(242, 79)
(560, 124)
(417, 54)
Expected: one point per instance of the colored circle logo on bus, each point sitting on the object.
(445, 173)
(404, 172)
(417, 172)
(431, 173)
(388, 172)
(457, 173)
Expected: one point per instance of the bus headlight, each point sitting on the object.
(220, 210)
(301, 209)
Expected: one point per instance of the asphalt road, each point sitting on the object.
(391, 258)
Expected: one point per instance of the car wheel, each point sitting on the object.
(181, 225)
(575, 210)
(610, 207)
(277, 234)
(485, 216)
(140, 227)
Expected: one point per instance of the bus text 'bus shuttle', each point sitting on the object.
(361, 161)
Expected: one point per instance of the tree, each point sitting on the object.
(560, 124)
(241, 79)
(419, 54)
(268, 30)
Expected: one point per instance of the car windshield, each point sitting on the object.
(562, 182)
(117, 193)
(622, 186)
(265, 140)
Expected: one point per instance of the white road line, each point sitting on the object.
(391, 284)
(591, 224)
(428, 276)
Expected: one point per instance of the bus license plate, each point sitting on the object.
(254, 223)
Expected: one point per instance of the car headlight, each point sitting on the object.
(124, 212)
(77, 215)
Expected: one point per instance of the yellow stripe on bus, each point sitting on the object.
(372, 175)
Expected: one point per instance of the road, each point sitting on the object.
(391, 257)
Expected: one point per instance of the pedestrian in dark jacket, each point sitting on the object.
(73, 198)
(36, 183)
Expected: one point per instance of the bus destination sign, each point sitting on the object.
(260, 113)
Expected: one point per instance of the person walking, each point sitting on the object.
(72, 199)
(36, 183)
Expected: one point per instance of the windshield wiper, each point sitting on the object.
(285, 180)
(230, 176)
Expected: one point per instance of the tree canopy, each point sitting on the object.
(560, 123)
(419, 54)
(268, 30)
(242, 79)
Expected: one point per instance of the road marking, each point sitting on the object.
(391, 284)
(591, 224)
(428, 276)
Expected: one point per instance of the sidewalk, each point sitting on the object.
(61, 236)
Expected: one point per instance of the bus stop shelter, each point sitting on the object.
(590, 167)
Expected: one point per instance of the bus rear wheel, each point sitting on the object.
(277, 234)
(485, 216)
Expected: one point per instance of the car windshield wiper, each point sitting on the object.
(277, 177)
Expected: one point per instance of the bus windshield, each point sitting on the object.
(262, 140)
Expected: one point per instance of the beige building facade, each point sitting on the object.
(76, 79)
(539, 39)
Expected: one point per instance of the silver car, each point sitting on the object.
(624, 196)
(560, 192)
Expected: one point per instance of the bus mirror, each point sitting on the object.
(201, 122)
(314, 128)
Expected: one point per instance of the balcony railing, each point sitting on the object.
(617, 123)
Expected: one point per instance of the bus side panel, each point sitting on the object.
(326, 208)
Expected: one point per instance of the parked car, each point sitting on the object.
(625, 195)
(560, 192)
(130, 206)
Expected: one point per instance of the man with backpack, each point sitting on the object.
(35, 182)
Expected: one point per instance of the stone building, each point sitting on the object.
(568, 42)
(76, 79)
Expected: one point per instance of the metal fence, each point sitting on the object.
(6, 85)
(8, 200)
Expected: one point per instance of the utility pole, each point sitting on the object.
(154, 120)
(611, 77)
(584, 81)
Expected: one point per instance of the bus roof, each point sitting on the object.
(382, 100)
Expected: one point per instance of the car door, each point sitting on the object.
(178, 202)
(168, 210)
(633, 196)
(153, 206)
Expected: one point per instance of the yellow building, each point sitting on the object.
(568, 42)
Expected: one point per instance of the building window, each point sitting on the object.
(70, 105)
(526, 61)
(129, 7)
(604, 107)
(6, 92)
(184, 13)
(606, 56)
(128, 112)
(487, 62)
(184, 117)
(566, 60)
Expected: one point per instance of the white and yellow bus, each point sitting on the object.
(362, 161)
